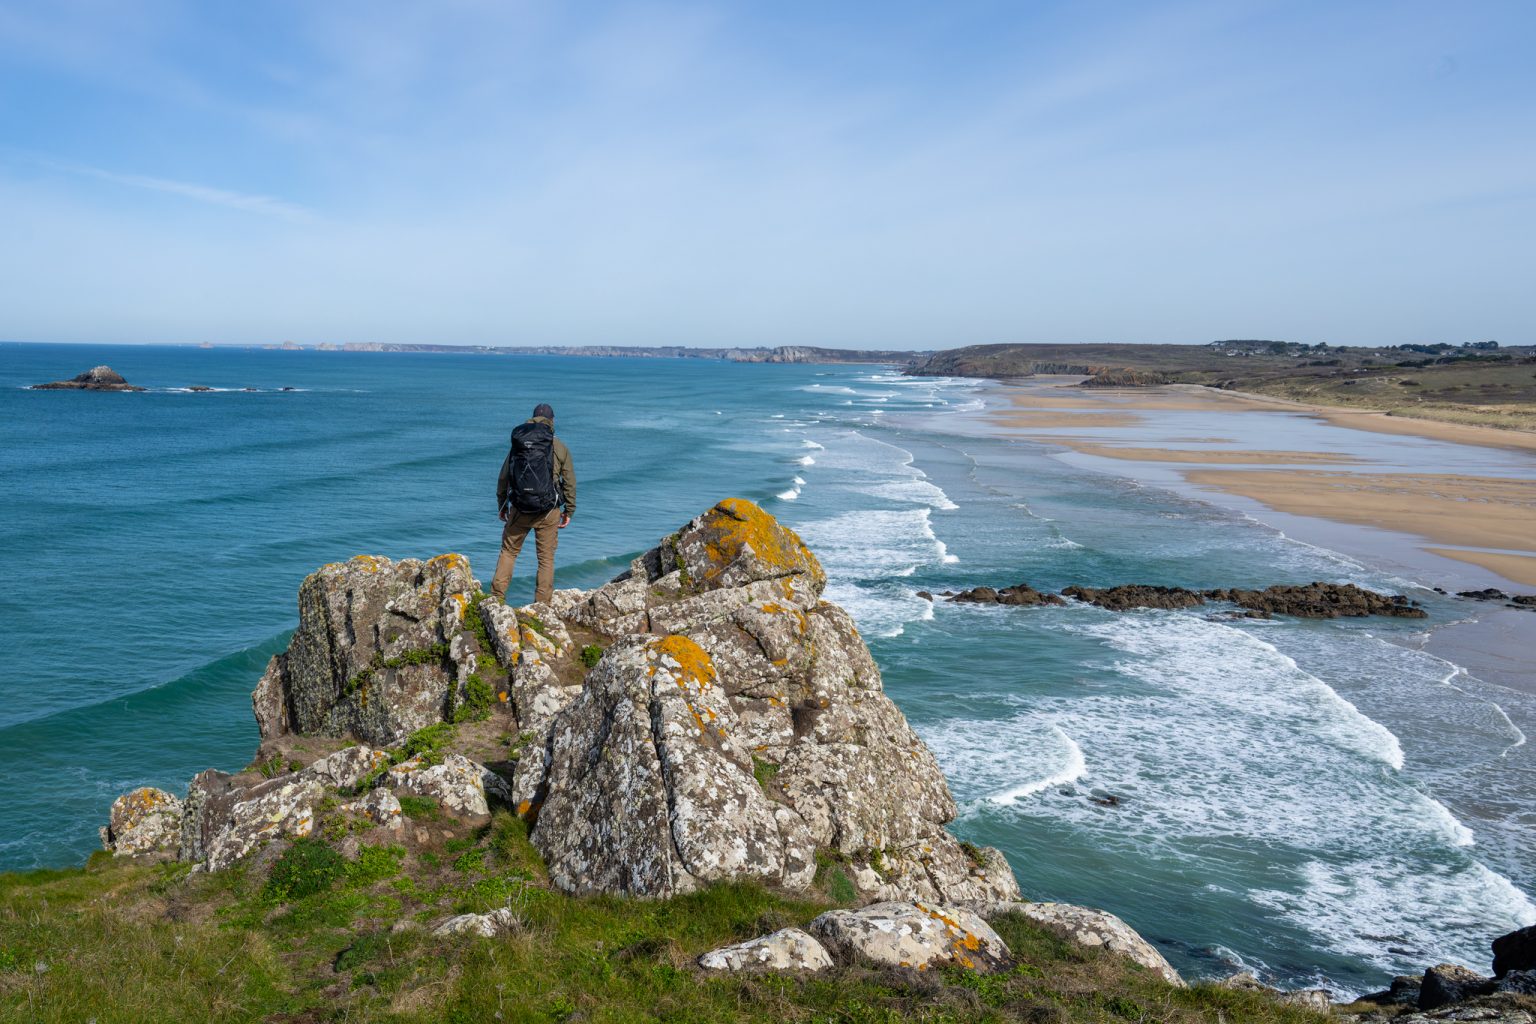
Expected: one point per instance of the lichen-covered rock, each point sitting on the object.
(380, 650)
(648, 792)
(735, 726)
(223, 821)
(145, 821)
(803, 700)
(461, 787)
(788, 949)
(348, 767)
(380, 806)
(736, 543)
(916, 935)
(1093, 929)
(498, 922)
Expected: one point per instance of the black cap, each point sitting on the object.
(543, 409)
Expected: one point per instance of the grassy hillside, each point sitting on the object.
(319, 936)
(1487, 387)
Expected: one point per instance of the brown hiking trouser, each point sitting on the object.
(546, 534)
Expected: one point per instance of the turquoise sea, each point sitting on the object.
(1321, 802)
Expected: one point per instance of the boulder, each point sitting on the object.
(1515, 951)
(461, 787)
(145, 821)
(1093, 929)
(381, 651)
(348, 767)
(497, 922)
(1318, 999)
(1404, 991)
(1520, 983)
(649, 793)
(1445, 984)
(98, 378)
(223, 821)
(917, 935)
(789, 949)
(381, 807)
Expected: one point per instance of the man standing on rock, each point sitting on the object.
(536, 491)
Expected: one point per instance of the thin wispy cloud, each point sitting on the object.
(266, 206)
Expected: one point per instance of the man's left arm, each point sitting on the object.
(567, 480)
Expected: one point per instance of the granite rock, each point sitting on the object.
(916, 935)
(146, 821)
(789, 949)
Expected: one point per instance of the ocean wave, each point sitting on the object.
(1399, 915)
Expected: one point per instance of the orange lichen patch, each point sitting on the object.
(524, 807)
(695, 671)
(461, 599)
(735, 525)
(142, 801)
(451, 560)
(369, 562)
(502, 696)
(693, 661)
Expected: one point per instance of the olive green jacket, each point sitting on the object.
(565, 475)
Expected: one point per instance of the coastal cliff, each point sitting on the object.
(682, 795)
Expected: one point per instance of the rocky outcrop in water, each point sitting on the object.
(1130, 596)
(1309, 601)
(98, 378)
(1320, 601)
(1021, 594)
(705, 716)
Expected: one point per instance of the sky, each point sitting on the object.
(887, 174)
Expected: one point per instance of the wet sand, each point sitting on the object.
(1235, 457)
(1453, 497)
(1520, 568)
(1449, 509)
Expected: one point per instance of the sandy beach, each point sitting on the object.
(1432, 491)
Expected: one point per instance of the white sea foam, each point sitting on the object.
(865, 553)
(1211, 737)
(1400, 913)
(806, 460)
(799, 481)
(789, 495)
(1072, 770)
(808, 443)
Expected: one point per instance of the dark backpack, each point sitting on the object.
(533, 468)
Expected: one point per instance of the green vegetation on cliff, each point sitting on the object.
(1474, 384)
(319, 936)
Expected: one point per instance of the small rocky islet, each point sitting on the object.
(98, 378)
(104, 378)
(705, 718)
